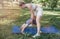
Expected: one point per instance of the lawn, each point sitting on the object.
(49, 18)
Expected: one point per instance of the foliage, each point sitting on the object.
(28, 1)
(53, 3)
(49, 3)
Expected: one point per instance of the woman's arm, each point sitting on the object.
(31, 11)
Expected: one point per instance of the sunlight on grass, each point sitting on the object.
(57, 17)
(7, 16)
(24, 14)
(5, 21)
(51, 13)
(44, 21)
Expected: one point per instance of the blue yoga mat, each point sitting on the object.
(32, 30)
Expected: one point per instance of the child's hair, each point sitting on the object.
(21, 3)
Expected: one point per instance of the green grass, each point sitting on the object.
(49, 18)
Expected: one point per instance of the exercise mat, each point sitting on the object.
(33, 30)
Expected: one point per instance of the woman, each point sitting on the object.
(36, 14)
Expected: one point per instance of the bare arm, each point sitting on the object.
(31, 11)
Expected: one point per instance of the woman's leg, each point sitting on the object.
(38, 26)
(38, 19)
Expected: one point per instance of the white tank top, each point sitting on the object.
(36, 8)
(33, 5)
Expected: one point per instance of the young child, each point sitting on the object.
(36, 13)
